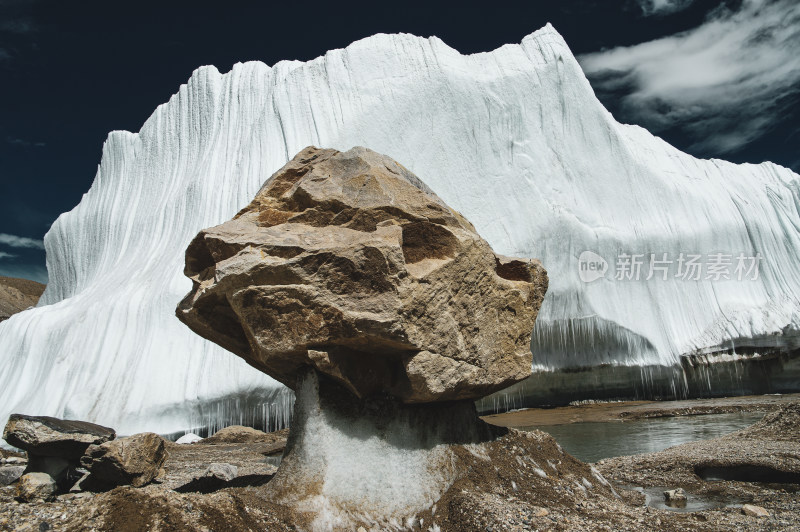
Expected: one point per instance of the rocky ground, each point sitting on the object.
(17, 295)
(521, 481)
(758, 465)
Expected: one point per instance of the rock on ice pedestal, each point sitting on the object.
(349, 280)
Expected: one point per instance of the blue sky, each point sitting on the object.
(714, 78)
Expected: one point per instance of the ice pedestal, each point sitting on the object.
(374, 461)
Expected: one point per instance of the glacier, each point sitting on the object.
(515, 139)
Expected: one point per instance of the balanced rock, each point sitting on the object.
(351, 282)
(36, 487)
(54, 445)
(348, 263)
(134, 460)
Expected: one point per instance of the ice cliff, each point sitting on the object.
(514, 139)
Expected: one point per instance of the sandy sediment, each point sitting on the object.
(633, 410)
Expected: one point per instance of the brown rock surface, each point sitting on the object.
(36, 486)
(134, 460)
(348, 263)
(49, 436)
(242, 434)
(17, 295)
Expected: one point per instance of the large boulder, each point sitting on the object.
(134, 460)
(350, 281)
(348, 263)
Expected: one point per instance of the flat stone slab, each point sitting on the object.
(50, 436)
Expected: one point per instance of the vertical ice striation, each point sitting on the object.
(514, 139)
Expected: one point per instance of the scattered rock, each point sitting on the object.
(676, 497)
(238, 434)
(10, 474)
(134, 460)
(223, 472)
(348, 263)
(36, 486)
(49, 436)
(754, 511)
(14, 460)
(187, 439)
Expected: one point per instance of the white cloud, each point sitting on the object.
(724, 83)
(4, 255)
(663, 7)
(20, 241)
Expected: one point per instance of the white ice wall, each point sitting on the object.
(515, 139)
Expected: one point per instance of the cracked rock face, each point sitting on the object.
(348, 263)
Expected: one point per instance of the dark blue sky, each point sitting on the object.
(70, 72)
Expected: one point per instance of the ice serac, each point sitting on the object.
(514, 139)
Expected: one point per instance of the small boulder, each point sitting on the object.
(10, 474)
(754, 511)
(36, 486)
(215, 477)
(134, 460)
(223, 472)
(187, 439)
(676, 497)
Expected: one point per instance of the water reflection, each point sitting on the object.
(591, 442)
